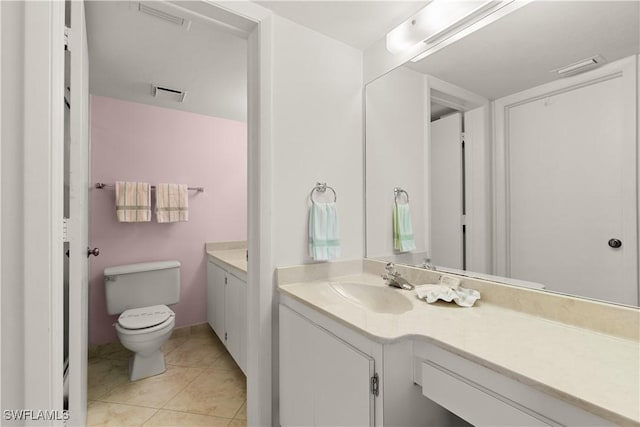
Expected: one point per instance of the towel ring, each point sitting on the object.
(321, 187)
(397, 192)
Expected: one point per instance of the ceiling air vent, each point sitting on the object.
(161, 92)
(163, 14)
(580, 66)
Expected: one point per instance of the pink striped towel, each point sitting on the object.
(133, 201)
(172, 202)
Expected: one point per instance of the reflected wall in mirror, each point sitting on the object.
(514, 170)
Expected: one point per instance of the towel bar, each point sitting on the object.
(153, 187)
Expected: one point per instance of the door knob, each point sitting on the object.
(615, 243)
(94, 252)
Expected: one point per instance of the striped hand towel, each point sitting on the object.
(402, 228)
(133, 201)
(324, 232)
(172, 203)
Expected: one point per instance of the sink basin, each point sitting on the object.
(375, 298)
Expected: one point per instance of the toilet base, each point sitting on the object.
(146, 366)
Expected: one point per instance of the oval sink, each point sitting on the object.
(374, 298)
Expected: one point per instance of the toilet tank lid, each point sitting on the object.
(139, 268)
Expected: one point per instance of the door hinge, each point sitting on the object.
(226, 280)
(375, 385)
(225, 336)
(463, 220)
(65, 230)
(67, 38)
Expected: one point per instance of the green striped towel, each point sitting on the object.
(403, 240)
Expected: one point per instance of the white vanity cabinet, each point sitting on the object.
(324, 381)
(226, 310)
(332, 375)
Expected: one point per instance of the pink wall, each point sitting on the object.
(135, 142)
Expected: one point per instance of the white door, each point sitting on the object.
(216, 278)
(235, 318)
(324, 381)
(446, 192)
(78, 230)
(571, 180)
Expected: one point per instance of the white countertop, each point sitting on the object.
(591, 370)
(229, 255)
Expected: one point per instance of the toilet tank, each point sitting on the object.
(141, 285)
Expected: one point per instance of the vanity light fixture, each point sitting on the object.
(435, 21)
(580, 66)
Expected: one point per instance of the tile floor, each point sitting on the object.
(202, 385)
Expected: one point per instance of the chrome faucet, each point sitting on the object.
(427, 265)
(393, 278)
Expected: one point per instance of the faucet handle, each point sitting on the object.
(390, 267)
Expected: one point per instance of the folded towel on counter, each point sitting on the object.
(172, 203)
(403, 240)
(133, 201)
(462, 296)
(324, 232)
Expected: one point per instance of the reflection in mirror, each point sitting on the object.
(518, 147)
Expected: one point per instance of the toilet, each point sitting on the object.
(140, 293)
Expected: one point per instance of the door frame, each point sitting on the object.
(627, 69)
(43, 189)
(477, 168)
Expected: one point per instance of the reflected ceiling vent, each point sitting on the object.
(165, 15)
(161, 92)
(580, 66)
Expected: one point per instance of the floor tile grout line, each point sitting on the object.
(148, 419)
(124, 404)
(184, 388)
(236, 413)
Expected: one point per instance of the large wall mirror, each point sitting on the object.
(517, 146)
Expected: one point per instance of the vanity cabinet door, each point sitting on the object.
(235, 319)
(216, 277)
(324, 381)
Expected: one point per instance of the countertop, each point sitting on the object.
(230, 255)
(597, 372)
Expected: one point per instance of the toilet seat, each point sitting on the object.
(144, 318)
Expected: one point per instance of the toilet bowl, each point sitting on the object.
(143, 331)
(140, 293)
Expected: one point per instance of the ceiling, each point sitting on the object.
(518, 51)
(130, 50)
(354, 22)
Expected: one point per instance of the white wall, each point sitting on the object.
(396, 142)
(317, 136)
(12, 310)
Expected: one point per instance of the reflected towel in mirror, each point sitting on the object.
(403, 240)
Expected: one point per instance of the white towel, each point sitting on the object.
(133, 201)
(172, 203)
(403, 240)
(324, 232)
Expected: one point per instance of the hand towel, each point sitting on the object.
(133, 201)
(402, 228)
(172, 203)
(324, 232)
